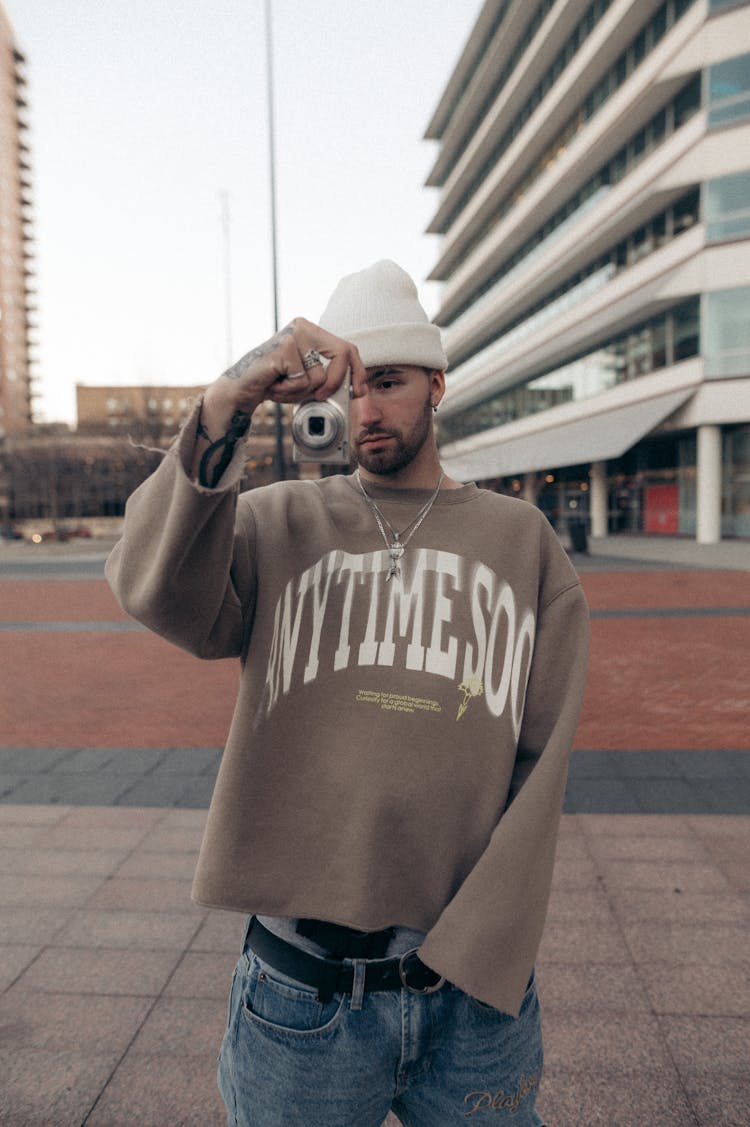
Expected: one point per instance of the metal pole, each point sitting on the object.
(227, 275)
(280, 456)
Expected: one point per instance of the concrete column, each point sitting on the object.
(708, 486)
(599, 498)
(530, 487)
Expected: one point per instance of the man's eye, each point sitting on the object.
(385, 385)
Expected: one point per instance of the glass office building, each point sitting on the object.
(593, 166)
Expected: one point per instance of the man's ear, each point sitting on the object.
(437, 387)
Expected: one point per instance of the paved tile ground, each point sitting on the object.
(675, 781)
(113, 985)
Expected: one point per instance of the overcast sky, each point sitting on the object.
(143, 112)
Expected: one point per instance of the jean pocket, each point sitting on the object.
(232, 1003)
(528, 998)
(276, 1002)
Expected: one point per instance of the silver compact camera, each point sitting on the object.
(320, 428)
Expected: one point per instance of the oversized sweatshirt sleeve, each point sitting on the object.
(486, 939)
(183, 566)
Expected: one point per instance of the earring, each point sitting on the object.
(434, 408)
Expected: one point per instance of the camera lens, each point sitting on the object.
(319, 428)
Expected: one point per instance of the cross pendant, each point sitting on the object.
(395, 551)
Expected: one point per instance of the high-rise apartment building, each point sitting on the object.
(16, 292)
(594, 176)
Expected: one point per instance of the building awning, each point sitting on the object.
(593, 438)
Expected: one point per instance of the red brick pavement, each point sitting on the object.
(667, 682)
(623, 590)
(58, 600)
(110, 690)
(654, 682)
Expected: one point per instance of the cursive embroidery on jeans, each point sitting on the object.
(502, 1100)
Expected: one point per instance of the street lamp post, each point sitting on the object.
(280, 456)
(225, 224)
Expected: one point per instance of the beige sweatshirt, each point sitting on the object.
(398, 751)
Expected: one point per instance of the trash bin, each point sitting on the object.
(578, 538)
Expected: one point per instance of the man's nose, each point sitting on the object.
(365, 410)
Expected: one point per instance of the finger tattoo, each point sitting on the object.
(238, 370)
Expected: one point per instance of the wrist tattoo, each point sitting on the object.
(237, 429)
(238, 370)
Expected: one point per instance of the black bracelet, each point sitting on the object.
(236, 430)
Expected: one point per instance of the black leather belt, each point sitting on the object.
(331, 977)
(339, 942)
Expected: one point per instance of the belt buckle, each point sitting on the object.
(403, 971)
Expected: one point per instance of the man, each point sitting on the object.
(412, 664)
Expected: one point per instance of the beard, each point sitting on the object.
(401, 450)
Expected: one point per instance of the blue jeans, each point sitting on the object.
(434, 1059)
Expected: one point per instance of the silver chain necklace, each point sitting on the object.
(399, 540)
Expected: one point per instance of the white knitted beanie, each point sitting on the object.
(378, 310)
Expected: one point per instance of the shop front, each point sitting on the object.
(650, 490)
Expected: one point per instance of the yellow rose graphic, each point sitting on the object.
(471, 687)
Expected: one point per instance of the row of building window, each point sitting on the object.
(670, 118)
(565, 55)
(519, 49)
(537, 18)
(648, 237)
(472, 71)
(640, 47)
(729, 91)
(720, 330)
(727, 207)
(124, 406)
(659, 342)
(727, 333)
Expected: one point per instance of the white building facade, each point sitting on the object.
(594, 176)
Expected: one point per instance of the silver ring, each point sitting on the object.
(311, 359)
(295, 376)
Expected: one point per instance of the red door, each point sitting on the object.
(661, 509)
